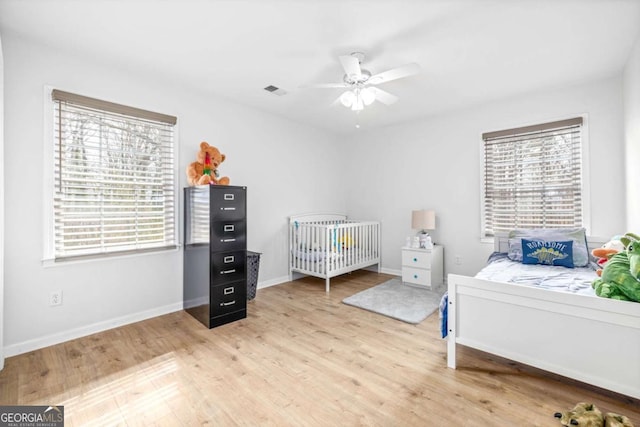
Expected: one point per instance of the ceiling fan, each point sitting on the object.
(361, 84)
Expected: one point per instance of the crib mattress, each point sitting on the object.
(314, 256)
(314, 260)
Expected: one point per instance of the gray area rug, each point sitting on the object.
(411, 304)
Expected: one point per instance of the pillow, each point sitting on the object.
(547, 252)
(577, 235)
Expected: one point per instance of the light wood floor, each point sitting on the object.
(300, 358)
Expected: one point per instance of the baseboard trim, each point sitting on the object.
(391, 271)
(57, 338)
(273, 282)
(285, 279)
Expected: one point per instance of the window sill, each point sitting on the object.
(52, 263)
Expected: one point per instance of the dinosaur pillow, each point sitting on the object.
(547, 253)
(577, 235)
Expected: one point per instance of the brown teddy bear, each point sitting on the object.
(205, 169)
(588, 415)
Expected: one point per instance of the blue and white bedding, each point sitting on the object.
(574, 280)
(500, 268)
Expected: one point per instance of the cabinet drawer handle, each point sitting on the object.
(229, 290)
(228, 196)
(233, 270)
(415, 276)
(229, 259)
(224, 304)
(415, 260)
(227, 240)
(229, 227)
(228, 209)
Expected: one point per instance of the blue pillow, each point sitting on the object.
(547, 252)
(578, 235)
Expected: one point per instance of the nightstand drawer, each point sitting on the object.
(419, 276)
(419, 259)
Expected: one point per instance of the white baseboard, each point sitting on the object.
(391, 271)
(285, 279)
(57, 338)
(273, 282)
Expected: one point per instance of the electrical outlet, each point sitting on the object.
(55, 298)
(458, 260)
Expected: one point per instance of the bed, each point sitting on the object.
(571, 333)
(328, 245)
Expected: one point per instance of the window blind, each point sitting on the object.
(533, 177)
(114, 182)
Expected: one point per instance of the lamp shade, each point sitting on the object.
(423, 220)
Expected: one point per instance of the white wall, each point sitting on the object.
(288, 168)
(435, 163)
(631, 85)
(264, 152)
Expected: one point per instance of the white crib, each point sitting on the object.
(327, 245)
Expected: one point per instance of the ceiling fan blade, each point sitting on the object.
(351, 65)
(383, 96)
(324, 85)
(395, 73)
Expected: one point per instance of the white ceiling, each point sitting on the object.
(471, 52)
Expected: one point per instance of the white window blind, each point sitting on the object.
(533, 177)
(114, 183)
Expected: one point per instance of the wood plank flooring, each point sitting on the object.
(300, 358)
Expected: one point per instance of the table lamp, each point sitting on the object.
(423, 220)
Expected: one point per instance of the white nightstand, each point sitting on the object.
(423, 267)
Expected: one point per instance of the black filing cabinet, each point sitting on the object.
(215, 253)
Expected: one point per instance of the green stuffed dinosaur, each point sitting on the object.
(621, 275)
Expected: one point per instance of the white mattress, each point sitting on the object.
(573, 280)
(314, 256)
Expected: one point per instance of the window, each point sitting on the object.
(533, 177)
(114, 180)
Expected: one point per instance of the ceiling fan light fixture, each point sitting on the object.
(348, 98)
(361, 85)
(367, 95)
(358, 105)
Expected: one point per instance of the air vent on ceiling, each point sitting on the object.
(275, 90)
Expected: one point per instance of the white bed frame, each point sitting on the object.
(325, 232)
(589, 339)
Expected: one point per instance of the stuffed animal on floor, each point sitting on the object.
(621, 274)
(606, 251)
(615, 420)
(583, 415)
(588, 415)
(205, 169)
